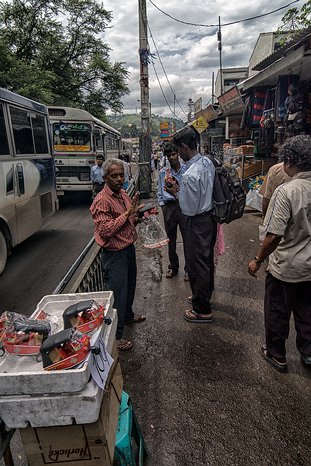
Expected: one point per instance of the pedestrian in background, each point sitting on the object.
(172, 214)
(288, 246)
(206, 150)
(195, 200)
(115, 218)
(274, 178)
(97, 176)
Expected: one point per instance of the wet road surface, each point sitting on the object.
(202, 393)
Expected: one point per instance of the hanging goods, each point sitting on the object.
(21, 335)
(85, 316)
(152, 233)
(228, 195)
(64, 349)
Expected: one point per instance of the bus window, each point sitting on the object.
(98, 141)
(70, 137)
(39, 133)
(10, 181)
(4, 146)
(22, 131)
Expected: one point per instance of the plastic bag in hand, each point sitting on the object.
(152, 233)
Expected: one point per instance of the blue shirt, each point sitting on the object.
(97, 174)
(196, 189)
(164, 196)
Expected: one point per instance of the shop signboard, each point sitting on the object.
(198, 105)
(200, 124)
(209, 113)
(231, 100)
(164, 129)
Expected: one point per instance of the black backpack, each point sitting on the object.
(228, 195)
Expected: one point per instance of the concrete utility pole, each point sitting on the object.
(145, 139)
(220, 56)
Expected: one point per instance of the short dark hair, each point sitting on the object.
(99, 157)
(187, 136)
(297, 151)
(169, 147)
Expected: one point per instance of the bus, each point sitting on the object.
(127, 150)
(77, 137)
(27, 174)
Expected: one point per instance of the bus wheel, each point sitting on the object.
(3, 252)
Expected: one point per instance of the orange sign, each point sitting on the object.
(71, 148)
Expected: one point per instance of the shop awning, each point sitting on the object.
(294, 43)
(297, 62)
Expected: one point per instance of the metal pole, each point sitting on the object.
(145, 139)
(213, 87)
(220, 56)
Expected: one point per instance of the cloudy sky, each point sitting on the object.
(188, 53)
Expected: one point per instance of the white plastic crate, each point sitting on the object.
(24, 375)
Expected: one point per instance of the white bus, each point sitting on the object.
(77, 137)
(27, 174)
(127, 150)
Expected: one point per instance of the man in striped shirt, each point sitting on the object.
(115, 218)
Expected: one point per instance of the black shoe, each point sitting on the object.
(171, 273)
(280, 366)
(306, 359)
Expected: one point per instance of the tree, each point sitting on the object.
(294, 20)
(53, 51)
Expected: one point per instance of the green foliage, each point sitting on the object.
(52, 51)
(130, 125)
(294, 20)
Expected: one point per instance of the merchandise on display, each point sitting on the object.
(85, 316)
(22, 336)
(65, 349)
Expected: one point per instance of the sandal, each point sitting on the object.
(124, 345)
(135, 320)
(171, 273)
(192, 316)
(279, 366)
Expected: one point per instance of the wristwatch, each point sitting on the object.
(258, 261)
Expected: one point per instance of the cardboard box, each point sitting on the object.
(79, 445)
(250, 169)
(245, 150)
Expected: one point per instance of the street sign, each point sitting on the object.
(200, 124)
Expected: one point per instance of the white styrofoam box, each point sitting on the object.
(58, 410)
(23, 375)
(54, 305)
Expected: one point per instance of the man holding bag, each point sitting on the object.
(115, 218)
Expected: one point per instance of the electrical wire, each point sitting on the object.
(164, 96)
(155, 71)
(157, 51)
(225, 24)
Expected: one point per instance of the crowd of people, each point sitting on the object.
(185, 195)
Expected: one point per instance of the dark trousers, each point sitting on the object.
(173, 217)
(119, 269)
(200, 242)
(97, 187)
(282, 298)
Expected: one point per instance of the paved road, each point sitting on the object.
(39, 263)
(202, 393)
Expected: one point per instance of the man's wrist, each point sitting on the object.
(257, 260)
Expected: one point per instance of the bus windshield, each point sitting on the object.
(70, 137)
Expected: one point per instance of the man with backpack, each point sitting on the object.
(195, 200)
